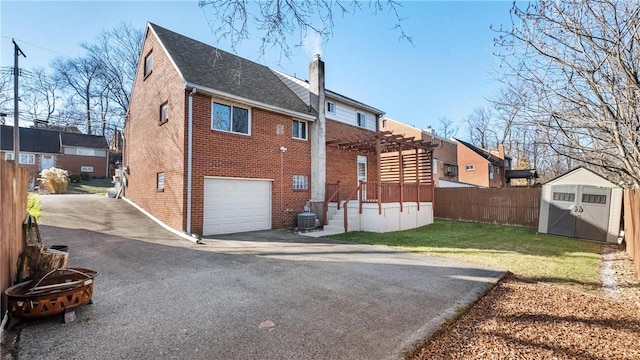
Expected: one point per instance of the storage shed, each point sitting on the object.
(581, 204)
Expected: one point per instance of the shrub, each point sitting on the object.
(56, 180)
(33, 205)
(75, 178)
(85, 176)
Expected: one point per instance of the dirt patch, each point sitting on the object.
(534, 320)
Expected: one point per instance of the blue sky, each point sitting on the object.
(448, 71)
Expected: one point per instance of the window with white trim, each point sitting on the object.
(361, 119)
(27, 159)
(85, 152)
(160, 181)
(331, 107)
(490, 172)
(164, 113)
(300, 182)
(469, 167)
(148, 64)
(230, 118)
(299, 130)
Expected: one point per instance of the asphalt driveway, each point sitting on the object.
(266, 295)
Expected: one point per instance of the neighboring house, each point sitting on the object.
(42, 149)
(215, 143)
(445, 156)
(481, 167)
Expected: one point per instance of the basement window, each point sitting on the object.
(300, 182)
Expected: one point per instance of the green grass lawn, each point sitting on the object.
(93, 186)
(517, 249)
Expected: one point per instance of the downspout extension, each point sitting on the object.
(189, 160)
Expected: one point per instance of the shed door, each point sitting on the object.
(593, 213)
(236, 205)
(561, 210)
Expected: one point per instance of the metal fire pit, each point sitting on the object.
(59, 291)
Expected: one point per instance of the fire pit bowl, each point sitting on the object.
(58, 291)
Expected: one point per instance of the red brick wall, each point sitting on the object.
(342, 164)
(151, 148)
(256, 156)
(73, 163)
(480, 174)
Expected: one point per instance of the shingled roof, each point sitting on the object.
(485, 154)
(84, 140)
(31, 140)
(208, 67)
(45, 141)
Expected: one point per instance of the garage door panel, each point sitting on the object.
(236, 205)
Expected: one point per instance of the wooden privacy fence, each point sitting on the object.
(509, 206)
(632, 225)
(14, 182)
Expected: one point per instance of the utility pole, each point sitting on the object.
(16, 126)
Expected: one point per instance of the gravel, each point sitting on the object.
(520, 319)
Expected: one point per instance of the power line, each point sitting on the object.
(38, 46)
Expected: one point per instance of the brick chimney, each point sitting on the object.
(318, 137)
(501, 151)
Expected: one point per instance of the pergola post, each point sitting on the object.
(418, 178)
(379, 166)
(401, 167)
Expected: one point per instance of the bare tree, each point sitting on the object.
(40, 95)
(6, 90)
(81, 75)
(575, 66)
(277, 21)
(117, 51)
(481, 128)
(447, 128)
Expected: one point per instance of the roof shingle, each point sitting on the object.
(209, 67)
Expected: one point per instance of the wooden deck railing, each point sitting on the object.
(369, 192)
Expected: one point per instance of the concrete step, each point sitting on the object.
(334, 229)
(322, 233)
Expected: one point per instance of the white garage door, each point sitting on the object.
(236, 205)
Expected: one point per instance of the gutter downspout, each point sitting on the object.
(189, 159)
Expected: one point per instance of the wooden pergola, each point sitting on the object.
(409, 161)
(379, 142)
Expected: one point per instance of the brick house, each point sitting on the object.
(485, 168)
(41, 148)
(445, 155)
(215, 143)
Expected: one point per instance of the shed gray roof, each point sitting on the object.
(206, 66)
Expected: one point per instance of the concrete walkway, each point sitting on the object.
(267, 295)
